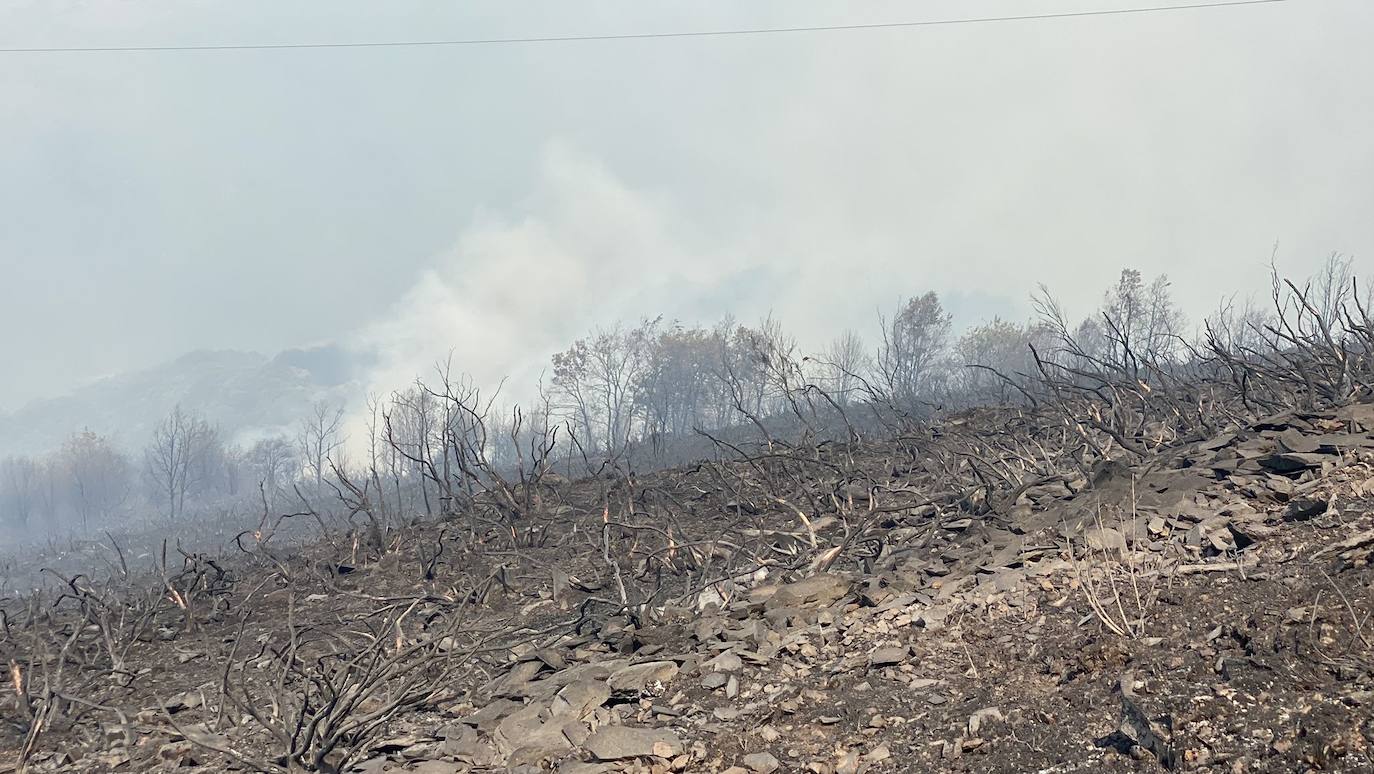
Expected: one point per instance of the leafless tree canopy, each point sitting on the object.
(318, 438)
(181, 459)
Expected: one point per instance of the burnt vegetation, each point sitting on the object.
(665, 477)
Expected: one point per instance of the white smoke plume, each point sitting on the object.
(513, 290)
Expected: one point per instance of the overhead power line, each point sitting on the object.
(643, 35)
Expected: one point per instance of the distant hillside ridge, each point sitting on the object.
(248, 395)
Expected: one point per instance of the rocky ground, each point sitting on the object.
(1210, 607)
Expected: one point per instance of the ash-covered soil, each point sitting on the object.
(952, 600)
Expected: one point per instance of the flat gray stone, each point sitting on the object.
(1293, 462)
(579, 698)
(729, 661)
(715, 680)
(637, 677)
(761, 763)
(888, 656)
(487, 718)
(1105, 539)
(1304, 508)
(612, 743)
(820, 590)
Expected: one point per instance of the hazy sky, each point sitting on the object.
(499, 200)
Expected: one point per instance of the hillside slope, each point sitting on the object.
(1208, 608)
(246, 394)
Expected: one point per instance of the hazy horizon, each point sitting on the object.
(500, 200)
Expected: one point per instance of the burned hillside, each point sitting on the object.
(1127, 565)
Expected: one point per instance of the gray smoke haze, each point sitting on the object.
(497, 200)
